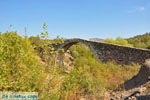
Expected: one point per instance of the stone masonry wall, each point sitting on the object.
(120, 54)
(107, 52)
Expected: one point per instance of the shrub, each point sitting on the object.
(140, 41)
(20, 68)
(119, 41)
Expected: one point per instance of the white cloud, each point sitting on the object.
(142, 8)
(137, 9)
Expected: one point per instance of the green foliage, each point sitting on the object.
(20, 68)
(119, 41)
(46, 52)
(58, 40)
(140, 41)
(45, 34)
(90, 76)
(36, 41)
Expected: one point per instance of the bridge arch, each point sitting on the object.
(106, 52)
(121, 54)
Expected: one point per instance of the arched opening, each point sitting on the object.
(101, 76)
(109, 52)
(89, 75)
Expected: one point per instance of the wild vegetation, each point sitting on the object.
(118, 41)
(20, 68)
(26, 67)
(140, 41)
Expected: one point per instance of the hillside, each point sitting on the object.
(140, 41)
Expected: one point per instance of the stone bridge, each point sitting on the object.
(106, 52)
(121, 54)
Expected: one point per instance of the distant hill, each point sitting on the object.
(96, 39)
(140, 41)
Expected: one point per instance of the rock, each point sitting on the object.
(141, 78)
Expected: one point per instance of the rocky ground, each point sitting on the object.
(140, 93)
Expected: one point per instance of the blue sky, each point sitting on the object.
(77, 18)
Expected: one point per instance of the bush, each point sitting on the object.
(119, 41)
(140, 41)
(20, 68)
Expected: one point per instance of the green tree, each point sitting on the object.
(20, 68)
(119, 41)
(140, 41)
(44, 33)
